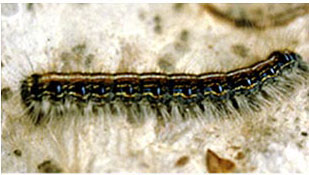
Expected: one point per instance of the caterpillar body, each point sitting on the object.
(215, 93)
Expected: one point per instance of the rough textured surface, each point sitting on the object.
(142, 37)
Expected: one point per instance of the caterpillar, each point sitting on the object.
(216, 94)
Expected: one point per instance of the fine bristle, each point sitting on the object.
(208, 94)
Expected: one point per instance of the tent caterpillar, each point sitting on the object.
(90, 133)
(218, 93)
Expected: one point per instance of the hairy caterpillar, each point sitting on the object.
(106, 38)
(218, 94)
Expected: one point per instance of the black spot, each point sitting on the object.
(166, 64)
(178, 6)
(184, 35)
(201, 106)
(6, 93)
(157, 19)
(240, 50)
(48, 166)
(88, 60)
(79, 49)
(234, 103)
(141, 15)
(17, 152)
(158, 29)
(30, 6)
(304, 133)
(241, 22)
(265, 94)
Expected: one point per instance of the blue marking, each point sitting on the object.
(249, 82)
(272, 71)
(207, 89)
(287, 58)
(189, 91)
(83, 90)
(220, 88)
(264, 75)
(280, 64)
(158, 91)
(177, 90)
(58, 89)
(147, 90)
(130, 90)
(102, 90)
